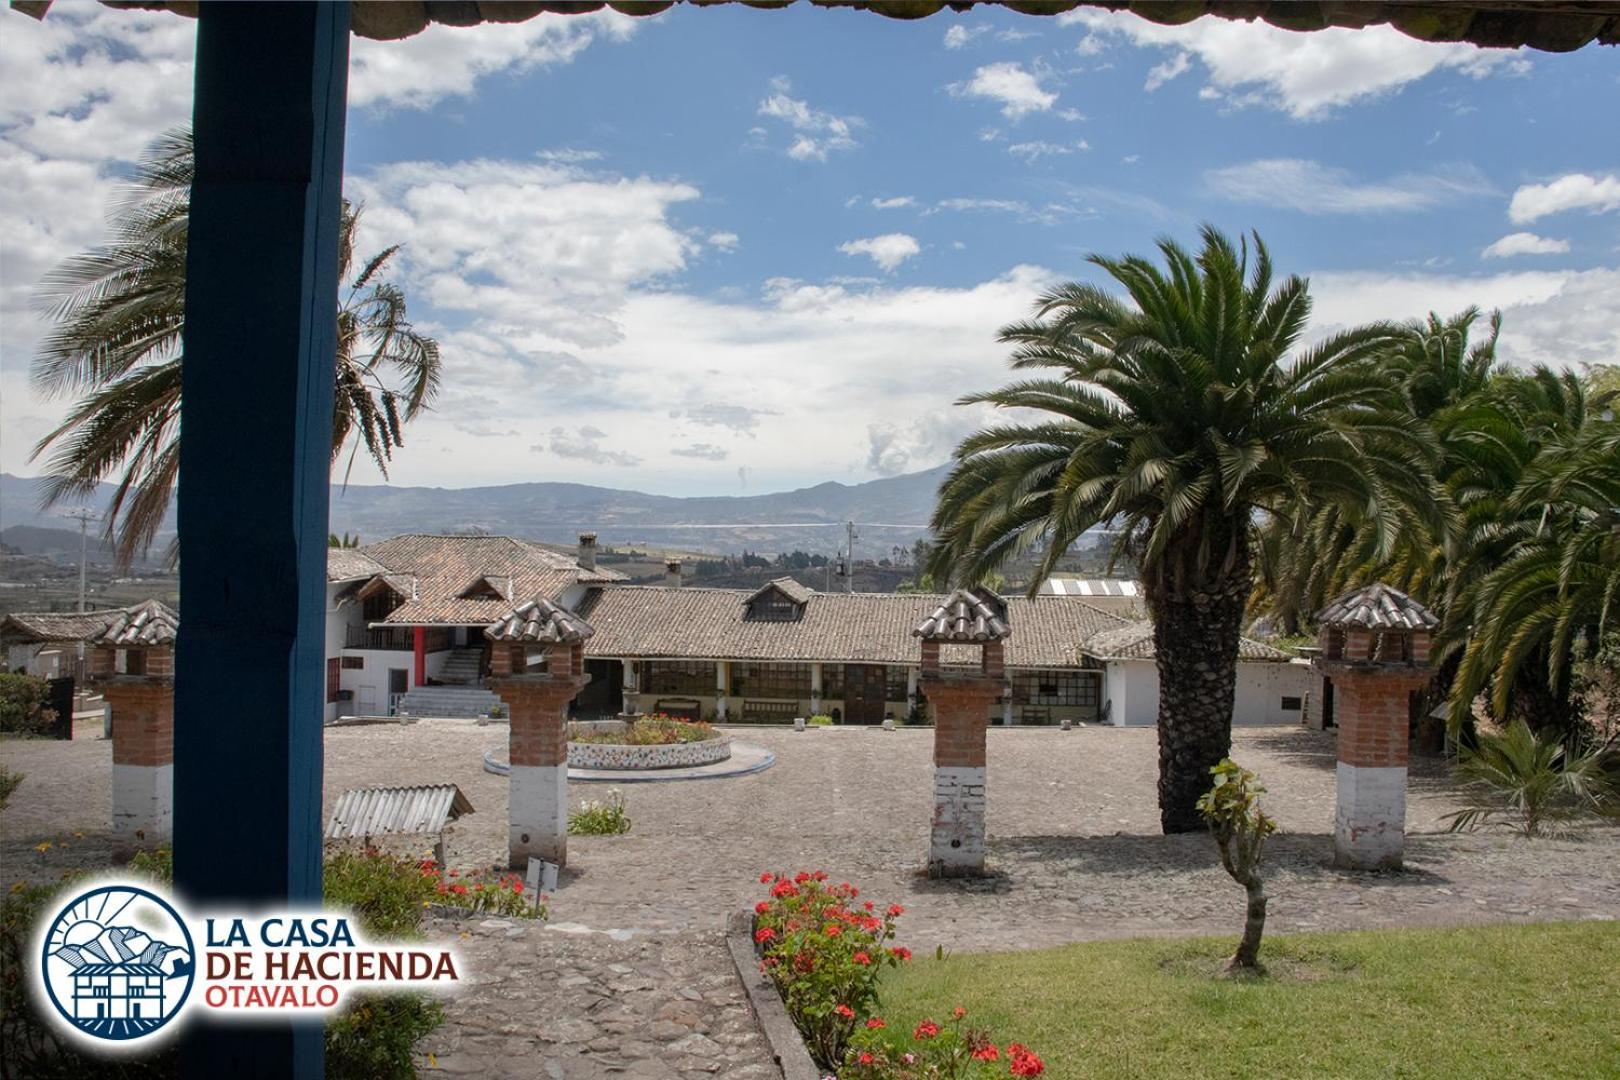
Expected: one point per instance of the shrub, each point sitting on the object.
(825, 955)
(25, 705)
(934, 1050)
(1533, 785)
(821, 720)
(373, 1038)
(1232, 809)
(600, 817)
(9, 780)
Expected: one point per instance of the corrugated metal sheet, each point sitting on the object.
(387, 811)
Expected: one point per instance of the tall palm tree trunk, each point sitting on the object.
(1198, 610)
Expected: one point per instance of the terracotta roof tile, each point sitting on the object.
(1378, 607)
(638, 621)
(31, 627)
(967, 615)
(350, 564)
(149, 623)
(540, 621)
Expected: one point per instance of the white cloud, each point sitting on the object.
(1313, 188)
(1525, 243)
(725, 241)
(958, 35)
(1034, 150)
(584, 443)
(896, 203)
(888, 250)
(1020, 92)
(569, 155)
(1576, 191)
(1004, 206)
(1559, 318)
(1163, 73)
(448, 61)
(705, 451)
(1305, 75)
(1090, 45)
(815, 133)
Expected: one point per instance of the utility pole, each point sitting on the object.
(83, 517)
(849, 559)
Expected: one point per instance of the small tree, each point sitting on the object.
(1533, 784)
(1232, 809)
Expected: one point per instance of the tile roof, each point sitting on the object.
(1558, 27)
(540, 621)
(789, 587)
(967, 615)
(31, 627)
(1378, 607)
(350, 564)
(149, 623)
(635, 621)
(1134, 641)
(434, 573)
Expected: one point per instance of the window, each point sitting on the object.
(896, 689)
(686, 677)
(771, 680)
(773, 608)
(1292, 704)
(832, 680)
(134, 661)
(354, 663)
(1075, 689)
(334, 678)
(377, 606)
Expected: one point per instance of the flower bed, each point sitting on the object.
(648, 742)
(825, 955)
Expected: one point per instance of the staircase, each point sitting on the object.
(449, 701)
(463, 667)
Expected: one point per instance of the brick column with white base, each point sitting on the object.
(538, 699)
(961, 699)
(1375, 649)
(132, 664)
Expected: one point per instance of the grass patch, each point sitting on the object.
(1533, 1001)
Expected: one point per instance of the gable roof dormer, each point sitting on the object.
(488, 587)
(780, 600)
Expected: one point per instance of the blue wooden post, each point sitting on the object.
(256, 433)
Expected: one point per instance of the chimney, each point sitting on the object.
(672, 573)
(587, 550)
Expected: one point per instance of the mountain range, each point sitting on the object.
(889, 512)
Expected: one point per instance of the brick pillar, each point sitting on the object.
(961, 715)
(537, 801)
(143, 754)
(1371, 707)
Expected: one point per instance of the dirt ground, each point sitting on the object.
(1072, 836)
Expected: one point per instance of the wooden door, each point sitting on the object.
(865, 686)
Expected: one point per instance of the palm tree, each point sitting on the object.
(1183, 414)
(119, 311)
(1557, 582)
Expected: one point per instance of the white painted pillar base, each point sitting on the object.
(956, 840)
(911, 690)
(538, 814)
(815, 689)
(722, 686)
(142, 806)
(632, 689)
(1007, 719)
(1369, 829)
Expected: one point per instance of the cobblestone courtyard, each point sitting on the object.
(630, 976)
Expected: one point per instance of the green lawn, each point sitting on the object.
(1534, 1001)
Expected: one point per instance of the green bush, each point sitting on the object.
(654, 729)
(373, 1038)
(8, 783)
(25, 705)
(600, 817)
(821, 720)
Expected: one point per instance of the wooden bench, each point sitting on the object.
(770, 712)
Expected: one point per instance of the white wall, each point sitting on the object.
(1131, 688)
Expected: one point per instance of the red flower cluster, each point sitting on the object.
(937, 1050)
(1024, 1061)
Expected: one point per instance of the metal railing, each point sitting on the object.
(390, 637)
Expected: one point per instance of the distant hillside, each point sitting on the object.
(558, 512)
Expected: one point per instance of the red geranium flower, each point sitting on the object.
(866, 1057)
(959, 1012)
(876, 1022)
(765, 878)
(832, 930)
(762, 907)
(845, 1011)
(1026, 1064)
(900, 952)
(926, 1030)
(896, 910)
(764, 934)
(784, 888)
(987, 1052)
(458, 889)
(861, 958)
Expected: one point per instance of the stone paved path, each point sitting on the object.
(1073, 834)
(561, 1002)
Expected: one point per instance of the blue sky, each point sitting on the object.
(728, 250)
